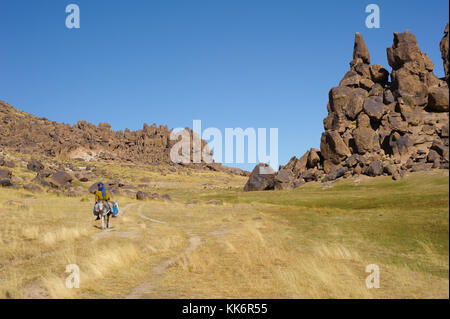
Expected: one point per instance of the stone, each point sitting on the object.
(351, 79)
(313, 158)
(310, 175)
(284, 179)
(438, 99)
(373, 108)
(140, 195)
(333, 148)
(434, 158)
(335, 173)
(366, 84)
(445, 52)
(360, 49)
(261, 178)
(390, 169)
(5, 182)
(5, 174)
(60, 179)
(375, 169)
(388, 97)
(397, 123)
(379, 74)
(363, 120)
(35, 166)
(365, 139)
(377, 90)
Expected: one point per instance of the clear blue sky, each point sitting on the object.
(229, 63)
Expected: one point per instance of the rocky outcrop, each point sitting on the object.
(444, 53)
(376, 127)
(26, 133)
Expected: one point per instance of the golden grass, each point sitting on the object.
(306, 243)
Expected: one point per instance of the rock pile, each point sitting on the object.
(377, 127)
(25, 133)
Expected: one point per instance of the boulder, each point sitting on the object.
(351, 79)
(373, 108)
(140, 195)
(348, 101)
(6, 182)
(438, 99)
(365, 139)
(60, 179)
(336, 172)
(284, 179)
(310, 175)
(333, 148)
(5, 174)
(379, 74)
(35, 166)
(261, 178)
(313, 158)
(375, 168)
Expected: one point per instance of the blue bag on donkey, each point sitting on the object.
(115, 208)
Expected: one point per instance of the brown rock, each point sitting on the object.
(379, 74)
(444, 52)
(333, 148)
(373, 108)
(60, 179)
(5, 174)
(360, 49)
(284, 179)
(365, 139)
(261, 178)
(35, 166)
(438, 99)
(313, 158)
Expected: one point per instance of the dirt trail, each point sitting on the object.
(148, 218)
(34, 289)
(157, 271)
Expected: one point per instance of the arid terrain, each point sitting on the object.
(209, 239)
(376, 193)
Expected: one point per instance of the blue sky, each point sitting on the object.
(229, 63)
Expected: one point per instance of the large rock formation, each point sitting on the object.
(377, 127)
(444, 53)
(26, 133)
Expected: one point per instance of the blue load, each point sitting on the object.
(115, 208)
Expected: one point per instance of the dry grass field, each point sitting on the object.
(211, 240)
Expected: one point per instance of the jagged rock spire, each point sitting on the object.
(444, 52)
(360, 49)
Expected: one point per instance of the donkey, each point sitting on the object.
(104, 211)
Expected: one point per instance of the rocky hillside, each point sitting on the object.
(377, 124)
(26, 133)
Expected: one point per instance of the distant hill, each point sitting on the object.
(26, 133)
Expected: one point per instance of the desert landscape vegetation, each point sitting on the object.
(377, 192)
(208, 239)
